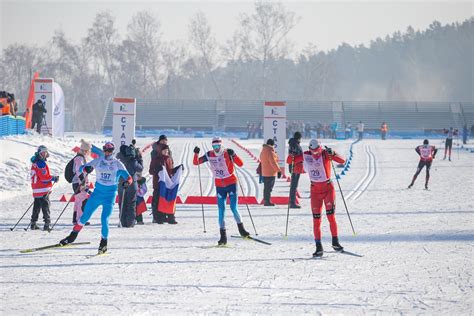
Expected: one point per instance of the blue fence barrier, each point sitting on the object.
(10, 125)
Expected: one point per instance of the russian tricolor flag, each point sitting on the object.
(169, 190)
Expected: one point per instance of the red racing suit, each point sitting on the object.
(318, 166)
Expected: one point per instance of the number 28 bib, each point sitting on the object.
(218, 166)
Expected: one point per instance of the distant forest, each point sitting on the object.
(435, 64)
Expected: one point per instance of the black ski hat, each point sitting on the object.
(270, 142)
(162, 137)
(297, 135)
(426, 142)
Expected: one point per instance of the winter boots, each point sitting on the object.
(335, 245)
(242, 230)
(171, 219)
(69, 239)
(103, 246)
(33, 226)
(46, 227)
(223, 240)
(268, 203)
(319, 250)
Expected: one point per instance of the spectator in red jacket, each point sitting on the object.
(41, 183)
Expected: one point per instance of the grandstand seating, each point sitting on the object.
(203, 114)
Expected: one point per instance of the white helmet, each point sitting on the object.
(216, 140)
(314, 144)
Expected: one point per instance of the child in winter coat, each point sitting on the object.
(141, 205)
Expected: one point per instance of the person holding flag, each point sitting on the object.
(221, 162)
(108, 171)
(169, 178)
(317, 163)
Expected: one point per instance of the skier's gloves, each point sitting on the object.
(196, 150)
(279, 174)
(88, 169)
(127, 182)
(330, 151)
(231, 152)
(55, 178)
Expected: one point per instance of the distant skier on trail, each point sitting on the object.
(108, 171)
(427, 153)
(221, 162)
(449, 141)
(41, 183)
(317, 163)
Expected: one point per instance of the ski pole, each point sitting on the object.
(61, 214)
(242, 190)
(47, 195)
(11, 229)
(121, 207)
(202, 205)
(289, 197)
(342, 195)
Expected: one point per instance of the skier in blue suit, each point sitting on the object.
(108, 171)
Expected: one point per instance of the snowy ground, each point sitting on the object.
(417, 245)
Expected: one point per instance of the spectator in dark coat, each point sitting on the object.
(134, 166)
(38, 113)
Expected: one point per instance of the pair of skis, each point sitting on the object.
(58, 245)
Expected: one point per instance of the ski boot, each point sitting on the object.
(46, 227)
(69, 239)
(223, 240)
(268, 203)
(411, 185)
(336, 246)
(33, 226)
(171, 220)
(294, 205)
(242, 230)
(426, 187)
(319, 250)
(102, 246)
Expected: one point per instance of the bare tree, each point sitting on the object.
(17, 64)
(174, 55)
(103, 39)
(264, 34)
(205, 43)
(144, 33)
(232, 53)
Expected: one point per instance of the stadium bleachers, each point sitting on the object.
(234, 114)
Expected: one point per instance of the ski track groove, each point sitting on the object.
(369, 176)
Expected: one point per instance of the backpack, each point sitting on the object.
(69, 171)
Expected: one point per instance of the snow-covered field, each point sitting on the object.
(416, 245)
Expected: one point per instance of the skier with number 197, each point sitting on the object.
(108, 170)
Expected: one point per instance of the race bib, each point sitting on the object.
(219, 167)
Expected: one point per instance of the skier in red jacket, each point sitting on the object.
(427, 154)
(317, 163)
(221, 161)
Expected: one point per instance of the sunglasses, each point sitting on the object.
(108, 150)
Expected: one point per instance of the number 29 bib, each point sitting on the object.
(315, 168)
